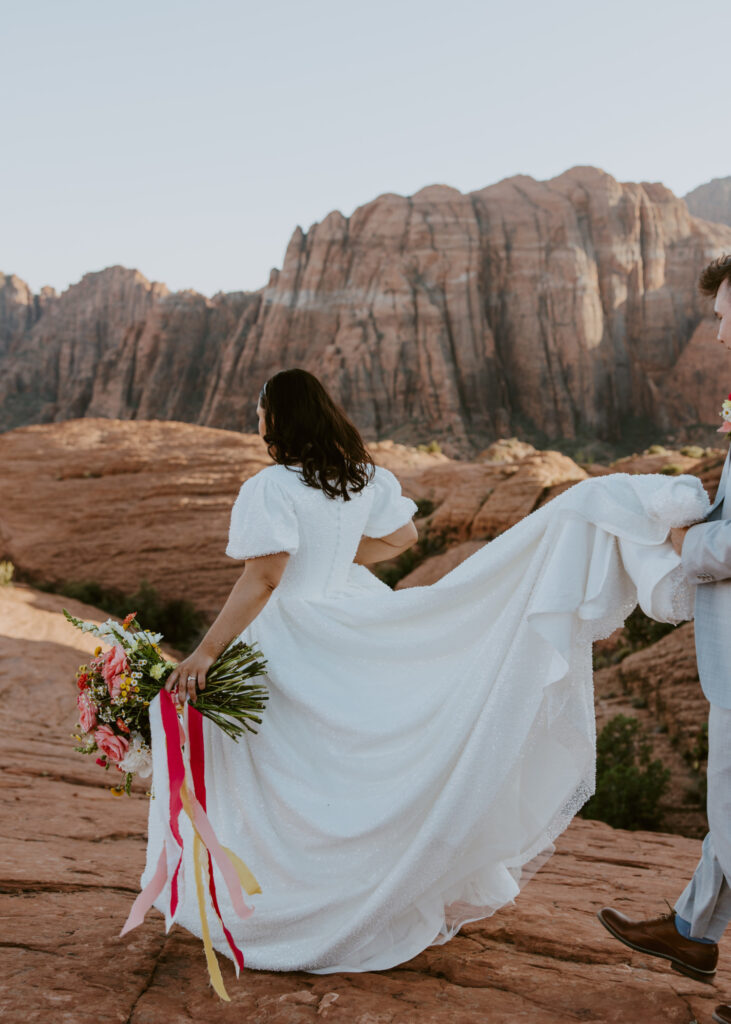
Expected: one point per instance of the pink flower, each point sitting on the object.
(115, 664)
(87, 711)
(115, 747)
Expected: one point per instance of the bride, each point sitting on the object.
(421, 748)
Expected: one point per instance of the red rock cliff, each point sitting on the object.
(541, 308)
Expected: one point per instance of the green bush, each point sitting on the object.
(638, 632)
(392, 571)
(697, 756)
(425, 507)
(433, 446)
(629, 785)
(6, 573)
(641, 631)
(181, 624)
(693, 451)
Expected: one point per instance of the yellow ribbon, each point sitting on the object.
(201, 868)
(248, 882)
(200, 861)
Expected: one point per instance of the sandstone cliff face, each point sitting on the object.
(547, 309)
(19, 310)
(711, 201)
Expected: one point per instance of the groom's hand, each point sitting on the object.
(677, 536)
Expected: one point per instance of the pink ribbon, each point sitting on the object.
(174, 741)
(198, 771)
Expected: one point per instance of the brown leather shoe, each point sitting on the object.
(722, 1014)
(660, 937)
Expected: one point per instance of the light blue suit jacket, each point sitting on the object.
(706, 560)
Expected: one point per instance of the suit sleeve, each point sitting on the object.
(706, 555)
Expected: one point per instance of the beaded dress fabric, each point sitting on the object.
(421, 748)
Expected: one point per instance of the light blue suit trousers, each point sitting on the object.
(706, 900)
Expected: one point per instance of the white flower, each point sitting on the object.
(138, 758)
(157, 670)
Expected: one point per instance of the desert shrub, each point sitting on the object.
(641, 631)
(697, 755)
(693, 451)
(394, 570)
(433, 446)
(6, 572)
(638, 632)
(425, 506)
(672, 469)
(181, 624)
(629, 785)
(656, 449)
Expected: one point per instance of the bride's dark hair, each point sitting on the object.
(304, 425)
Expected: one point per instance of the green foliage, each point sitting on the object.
(433, 446)
(425, 506)
(6, 572)
(394, 570)
(638, 632)
(672, 469)
(629, 785)
(656, 449)
(693, 451)
(642, 631)
(697, 755)
(178, 620)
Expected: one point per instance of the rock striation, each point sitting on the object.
(549, 309)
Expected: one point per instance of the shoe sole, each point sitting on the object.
(677, 965)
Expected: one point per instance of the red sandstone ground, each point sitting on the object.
(72, 855)
(117, 500)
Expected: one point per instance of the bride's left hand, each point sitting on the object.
(196, 665)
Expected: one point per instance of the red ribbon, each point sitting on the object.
(174, 737)
(198, 771)
(174, 742)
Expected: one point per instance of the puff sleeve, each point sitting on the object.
(263, 519)
(390, 509)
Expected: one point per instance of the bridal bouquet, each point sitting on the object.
(117, 685)
(725, 427)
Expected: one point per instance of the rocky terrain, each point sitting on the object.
(712, 201)
(555, 309)
(72, 855)
(116, 501)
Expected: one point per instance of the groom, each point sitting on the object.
(688, 937)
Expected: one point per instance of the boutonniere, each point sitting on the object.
(725, 427)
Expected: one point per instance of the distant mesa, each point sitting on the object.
(712, 201)
(544, 309)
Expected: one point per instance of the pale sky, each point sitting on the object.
(188, 139)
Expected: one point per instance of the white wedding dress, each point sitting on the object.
(421, 748)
